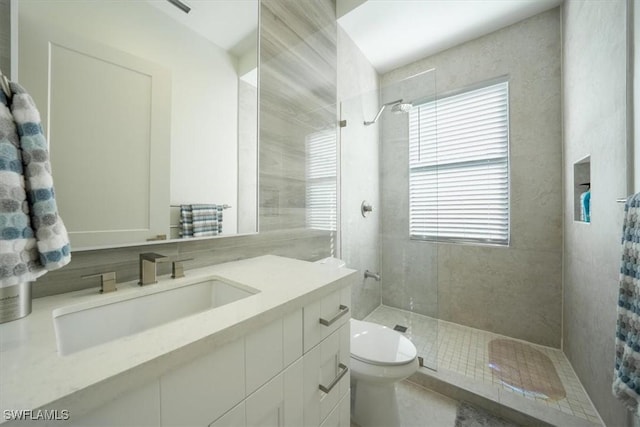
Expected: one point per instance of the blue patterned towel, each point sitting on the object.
(205, 220)
(626, 382)
(186, 221)
(200, 220)
(34, 239)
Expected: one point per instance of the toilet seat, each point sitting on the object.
(379, 345)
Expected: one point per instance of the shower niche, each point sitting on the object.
(582, 190)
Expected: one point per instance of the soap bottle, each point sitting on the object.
(585, 204)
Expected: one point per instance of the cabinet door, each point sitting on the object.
(139, 407)
(264, 353)
(203, 390)
(325, 316)
(340, 416)
(279, 402)
(265, 407)
(234, 418)
(326, 376)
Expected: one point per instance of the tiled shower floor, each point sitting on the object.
(512, 365)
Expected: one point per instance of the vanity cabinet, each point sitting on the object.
(272, 376)
(139, 407)
(201, 391)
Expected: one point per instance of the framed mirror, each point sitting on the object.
(148, 110)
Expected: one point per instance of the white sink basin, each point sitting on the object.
(86, 327)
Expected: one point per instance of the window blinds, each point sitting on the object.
(459, 167)
(321, 177)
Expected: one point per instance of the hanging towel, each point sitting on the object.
(34, 239)
(205, 220)
(186, 221)
(626, 382)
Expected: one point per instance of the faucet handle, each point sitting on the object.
(152, 256)
(177, 269)
(107, 281)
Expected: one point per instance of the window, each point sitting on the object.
(459, 167)
(321, 174)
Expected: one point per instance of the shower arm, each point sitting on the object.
(375, 119)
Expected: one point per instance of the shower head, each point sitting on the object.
(396, 106)
(401, 108)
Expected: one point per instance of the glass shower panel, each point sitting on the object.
(409, 265)
(360, 178)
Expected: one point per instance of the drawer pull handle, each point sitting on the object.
(343, 310)
(335, 381)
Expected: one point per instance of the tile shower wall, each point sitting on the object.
(595, 89)
(5, 36)
(297, 99)
(514, 291)
(358, 96)
(297, 96)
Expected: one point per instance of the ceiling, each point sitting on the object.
(393, 33)
(230, 24)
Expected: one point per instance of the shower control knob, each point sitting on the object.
(365, 208)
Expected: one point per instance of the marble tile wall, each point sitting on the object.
(5, 37)
(301, 244)
(516, 290)
(297, 98)
(359, 148)
(595, 88)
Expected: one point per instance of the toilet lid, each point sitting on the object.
(379, 345)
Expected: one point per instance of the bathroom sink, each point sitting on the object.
(84, 327)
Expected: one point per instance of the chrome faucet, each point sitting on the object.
(148, 263)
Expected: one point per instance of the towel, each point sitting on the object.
(205, 220)
(186, 221)
(626, 382)
(34, 239)
(200, 220)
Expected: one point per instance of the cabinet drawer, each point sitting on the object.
(325, 316)
(326, 376)
(203, 390)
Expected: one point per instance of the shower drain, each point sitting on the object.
(400, 328)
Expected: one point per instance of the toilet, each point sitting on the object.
(380, 357)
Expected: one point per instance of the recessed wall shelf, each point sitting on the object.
(582, 190)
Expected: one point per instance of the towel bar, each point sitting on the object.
(223, 206)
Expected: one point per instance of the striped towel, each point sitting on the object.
(205, 220)
(186, 221)
(34, 239)
(200, 220)
(626, 382)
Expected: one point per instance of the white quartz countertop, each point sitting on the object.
(33, 375)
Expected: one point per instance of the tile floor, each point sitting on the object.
(420, 407)
(464, 350)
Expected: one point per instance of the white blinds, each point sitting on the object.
(459, 167)
(321, 180)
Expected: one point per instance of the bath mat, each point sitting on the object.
(470, 416)
(400, 328)
(524, 369)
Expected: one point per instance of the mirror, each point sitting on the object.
(146, 108)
